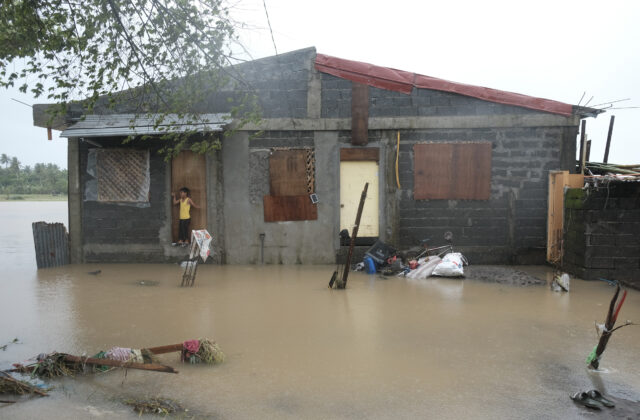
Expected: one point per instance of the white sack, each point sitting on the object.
(451, 265)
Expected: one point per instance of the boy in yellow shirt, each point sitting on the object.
(186, 203)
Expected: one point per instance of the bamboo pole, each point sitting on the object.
(609, 324)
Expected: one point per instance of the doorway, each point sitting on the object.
(188, 169)
(353, 176)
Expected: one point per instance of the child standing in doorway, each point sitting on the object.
(185, 202)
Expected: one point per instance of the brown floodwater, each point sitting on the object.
(394, 348)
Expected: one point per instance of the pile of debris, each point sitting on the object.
(52, 365)
(417, 263)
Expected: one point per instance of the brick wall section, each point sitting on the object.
(602, 233)
(511, 225)
(113, 224)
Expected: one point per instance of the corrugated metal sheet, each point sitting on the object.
(130, 124)
(52, 244)
(403, 81)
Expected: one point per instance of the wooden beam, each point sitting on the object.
(583, 145)
(360, 153)
(606, 149)
(359, 114)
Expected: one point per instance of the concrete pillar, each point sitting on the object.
(215, 205)
(76, 255)
(327, 153)
(240, 236)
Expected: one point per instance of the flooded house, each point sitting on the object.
(438, 156)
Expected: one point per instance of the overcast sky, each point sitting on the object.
(551, 49)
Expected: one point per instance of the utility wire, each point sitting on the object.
(264, 2)
(20, 102)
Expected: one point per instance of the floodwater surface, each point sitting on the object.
(382, 349)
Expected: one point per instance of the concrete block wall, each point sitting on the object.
(511, 225)
(602, 233)
(246, 176)
(122, 233)
(336, 102)
(280, 84)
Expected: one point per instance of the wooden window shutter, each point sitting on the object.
(290, 183)
(288, 172)
(452, 171)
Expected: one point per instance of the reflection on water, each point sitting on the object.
(381, 349)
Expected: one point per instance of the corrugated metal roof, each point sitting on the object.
(116, 125)
(404, 81)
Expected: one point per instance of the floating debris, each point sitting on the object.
(11, 385)
(95, 273)
(147, 283)
(194, 351)
(61, 364)
(162, 406)
(14, 341)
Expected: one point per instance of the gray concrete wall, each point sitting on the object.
(124, 233)
(304, 108)
(246, 175)
(602, 233)
(511, 226)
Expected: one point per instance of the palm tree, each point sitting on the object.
(4, 159)
(15, 166)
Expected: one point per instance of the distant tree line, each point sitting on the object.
(42, 178)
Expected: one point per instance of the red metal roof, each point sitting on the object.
(404, 81)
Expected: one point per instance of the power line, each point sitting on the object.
(264, 2)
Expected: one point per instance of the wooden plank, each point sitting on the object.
(359, 114)
(558, 180)
(288, 173)
(188, 169)
(432, 170)
(289, 208)
(471, 177)
(360, 153)
(452, 171)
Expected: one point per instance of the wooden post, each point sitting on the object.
(359, 114)
(588, 158)
(606, 149)
(49, 134)
(583, 146)
(354, 234)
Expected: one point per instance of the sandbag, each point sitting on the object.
(451, 265)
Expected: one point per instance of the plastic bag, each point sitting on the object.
(451, 265)
(425, 269)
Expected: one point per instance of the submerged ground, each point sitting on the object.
(393, 348)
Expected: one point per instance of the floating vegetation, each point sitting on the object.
(50, 366)
(202, 351)
(162, 406)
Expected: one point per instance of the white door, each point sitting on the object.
(353, 176)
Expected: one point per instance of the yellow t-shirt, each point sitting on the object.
(185, 209)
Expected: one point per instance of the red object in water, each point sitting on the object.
(413, 264)
(404, 81)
